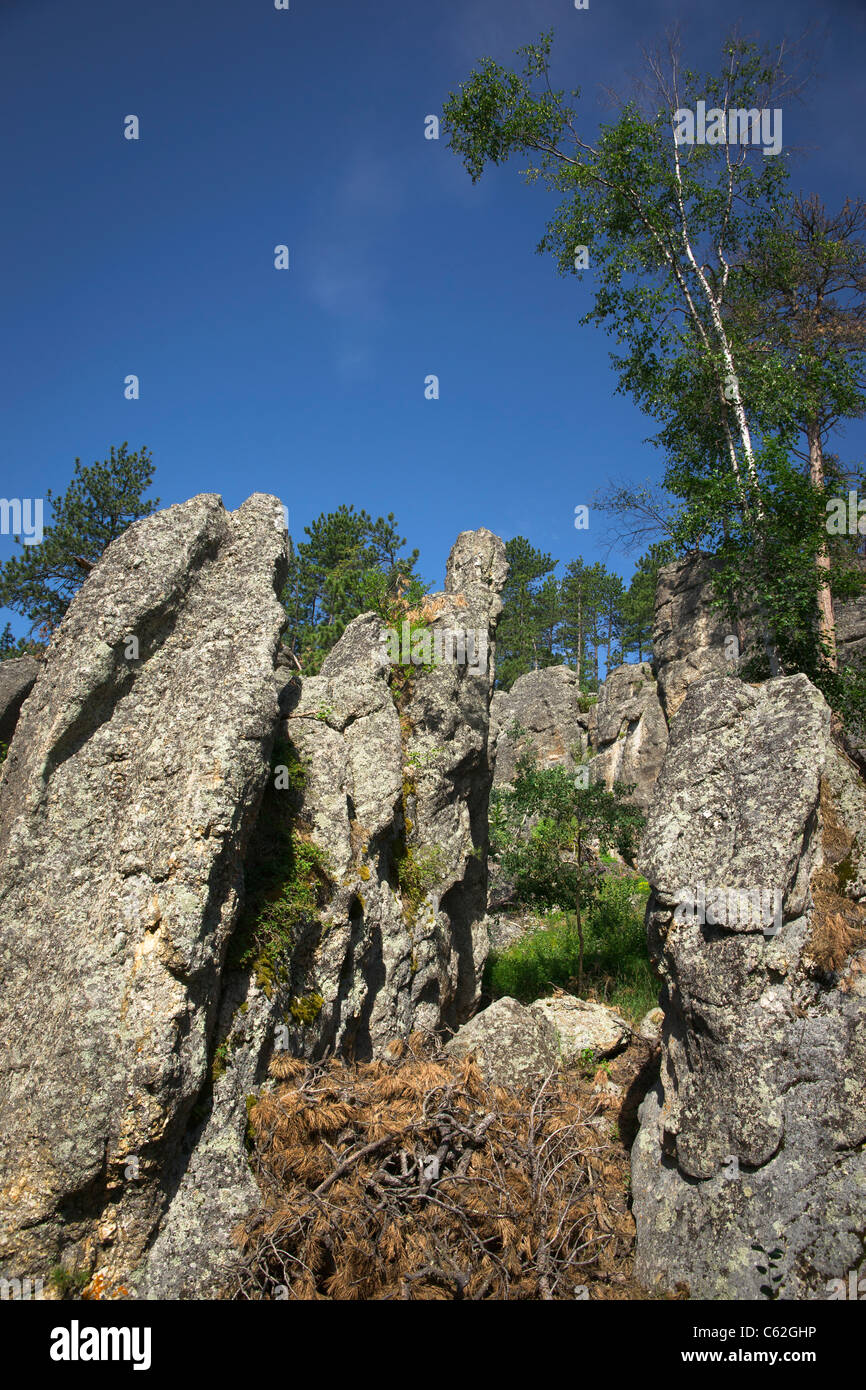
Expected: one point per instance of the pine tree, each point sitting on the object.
(334, 576)
(100, 503)
(526, 633)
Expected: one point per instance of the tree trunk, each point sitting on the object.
(579, 927)
(826, 619)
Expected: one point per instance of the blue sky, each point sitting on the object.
(306, 127)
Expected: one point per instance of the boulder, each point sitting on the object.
(629, 732)
(513, 1046)
(650, 1026)
(17, 678)
(582, 1026)
(546, 704)
(749, 1172)
(128, 798)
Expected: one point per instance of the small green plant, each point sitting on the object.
(616, 965)
(220, 1060)
(421, 760)
(306, 1009)
(290, 890)
(68, 1283)
(771, 1269)
(551, 865)
(418, 870)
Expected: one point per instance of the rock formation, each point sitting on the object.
(17, 678)
(141, 1000)
(628, 731)
(546, 703)
(512, 1045)
(396, 780)
(127, 799)
(375, 819)
(749, 1172)
(688, 633)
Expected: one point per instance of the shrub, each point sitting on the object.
(616, 960)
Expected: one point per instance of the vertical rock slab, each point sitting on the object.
(130, 790)
(749, 1172)
(393, 760)
(629, 731)
(688, 633)
(546, 704)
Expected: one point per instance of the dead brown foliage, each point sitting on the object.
(409, 1178)
(838, 925)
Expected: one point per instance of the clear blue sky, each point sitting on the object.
(306, 127)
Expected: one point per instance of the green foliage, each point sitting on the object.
(541, 830)
(524, 636)
(100, 503)
(285, 892)
(736, 311)
(616, 961)
(288, 878)
(350, 564)
(547, 620)
(67, 1283)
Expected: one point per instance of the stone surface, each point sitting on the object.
(129, 793)
(513, 1046)
(688, 634)
(650, 1026)
(629, 732)
(850, 620)
(583, 1026)
(545, 704)
(754, 1135)
(17, 678)
(396, 785)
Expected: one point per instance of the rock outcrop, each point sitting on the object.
(396, 780)
(629, 732)
(370, 849)
(126, 803)
(624, 732)
(17, 678)
(546, 703)
(688, 633)
(748, 1173)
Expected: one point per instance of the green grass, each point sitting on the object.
(616, 961)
